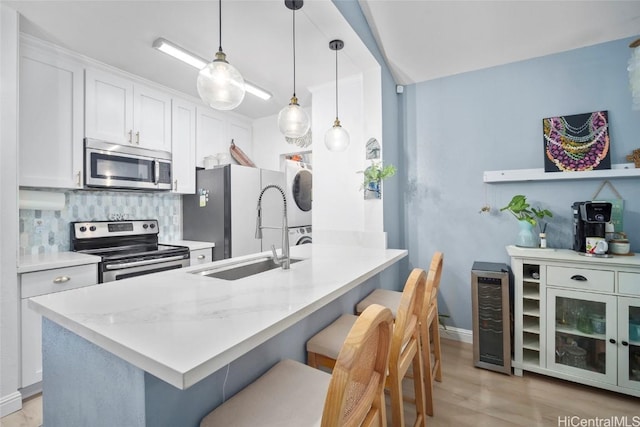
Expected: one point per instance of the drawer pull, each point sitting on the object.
(201, 257)
(579, 278)
(61, 279)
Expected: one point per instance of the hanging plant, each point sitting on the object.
(373, 176)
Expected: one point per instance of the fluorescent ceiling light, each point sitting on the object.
(171, 49)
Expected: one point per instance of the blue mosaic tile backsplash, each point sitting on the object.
(44, 231)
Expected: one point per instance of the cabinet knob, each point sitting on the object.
(201, 257)
(612, 341)
(579, 278)
(624, 343)
(61, 279)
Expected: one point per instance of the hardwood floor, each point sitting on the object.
(468, 396)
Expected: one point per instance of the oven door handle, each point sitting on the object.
(140, 263)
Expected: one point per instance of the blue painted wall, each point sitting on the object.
(459, 126)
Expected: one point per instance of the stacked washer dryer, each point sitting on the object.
(299, 176)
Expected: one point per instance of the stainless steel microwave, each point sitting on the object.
(124, 167)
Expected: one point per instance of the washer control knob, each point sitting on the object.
(145, 226)
(83, 229)
(92, 228)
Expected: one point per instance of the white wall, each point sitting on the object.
(10, 398)
(338, 201)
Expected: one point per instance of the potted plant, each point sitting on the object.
(528, 217)
(373, 176)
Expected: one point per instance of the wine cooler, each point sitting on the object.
(492, 296)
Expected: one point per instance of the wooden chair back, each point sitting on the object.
(435, 270)
(405, 348)
(356, 391)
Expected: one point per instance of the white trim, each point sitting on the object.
(456, 334)
(10, 403)
(622, 170)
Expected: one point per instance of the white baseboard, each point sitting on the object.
(10, 403)
(456, 334)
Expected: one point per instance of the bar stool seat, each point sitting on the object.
(384, 297)
(289, 391)
(294, 394)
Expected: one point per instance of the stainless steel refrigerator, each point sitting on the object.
(223, 210)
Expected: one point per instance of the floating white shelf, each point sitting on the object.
(622, 170)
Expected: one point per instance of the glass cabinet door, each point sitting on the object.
(629, 339)
(581, 334)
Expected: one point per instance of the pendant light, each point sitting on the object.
(293, 121)
(336, 138)
(220, 84)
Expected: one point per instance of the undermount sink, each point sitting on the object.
(241, 270)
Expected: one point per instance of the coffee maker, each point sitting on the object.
(589, 220)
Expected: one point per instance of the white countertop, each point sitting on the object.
(551, 254)
(30, 263)
(191, 244)
(182, 327)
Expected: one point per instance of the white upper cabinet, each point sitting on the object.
(183, 146)
(152, 118)
(215, 132)
(50, 117)
(120, 111)
(211, 136)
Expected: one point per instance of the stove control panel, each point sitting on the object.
(97, 229)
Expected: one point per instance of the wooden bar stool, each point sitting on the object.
(293, 394)
(429, 327)
(405, 347)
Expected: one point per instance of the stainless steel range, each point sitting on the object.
(127, 248)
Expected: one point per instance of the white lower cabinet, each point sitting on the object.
(41, 283)
(201, 256)
(577, 318)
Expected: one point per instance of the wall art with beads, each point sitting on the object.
(579, 142)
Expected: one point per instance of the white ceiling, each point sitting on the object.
(420, 39)
(256, 36)
(423, 40)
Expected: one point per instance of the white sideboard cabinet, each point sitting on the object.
(577, 318)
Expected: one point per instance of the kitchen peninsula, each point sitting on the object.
(166, 348)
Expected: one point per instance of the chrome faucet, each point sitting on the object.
(284, 260)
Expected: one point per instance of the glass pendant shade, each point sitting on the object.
(293, 121)
(336, 138)
(220, 84)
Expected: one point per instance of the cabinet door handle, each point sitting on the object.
(175, 185)
(612, 341)
(61, 279)
(79, 181)
(131, 136)
(138, 138)
(201, 257)
(624, 343)
(579, 278)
